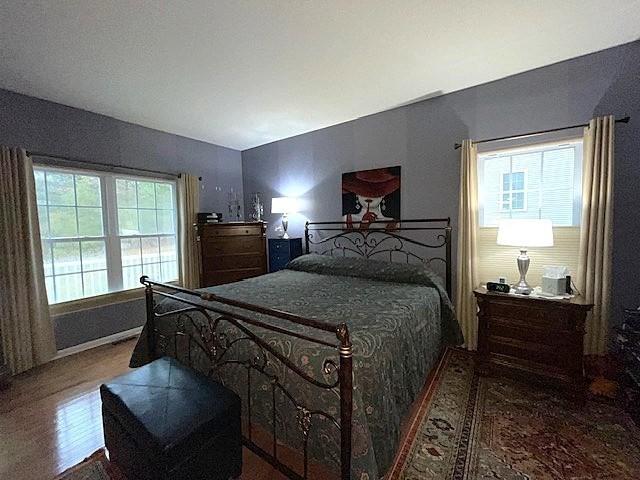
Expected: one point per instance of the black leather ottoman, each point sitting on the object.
(166, 421)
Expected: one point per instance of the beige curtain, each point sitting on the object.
(188, 205)
(25, 326)
(467, 269)
(594, 265)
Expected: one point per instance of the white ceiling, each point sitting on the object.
(241, 73)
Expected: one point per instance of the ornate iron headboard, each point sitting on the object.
(426, 240)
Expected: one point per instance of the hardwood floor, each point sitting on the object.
(50, 418)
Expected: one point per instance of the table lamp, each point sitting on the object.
(523, 234)
(284, 205)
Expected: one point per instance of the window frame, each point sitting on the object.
(111, 236)
(574, 139)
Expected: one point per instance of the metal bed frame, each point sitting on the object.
(388, 239)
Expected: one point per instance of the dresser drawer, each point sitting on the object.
(212, 247)
(235, 262)
(231, 230)
(228, 276)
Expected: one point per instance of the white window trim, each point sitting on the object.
(111, 235)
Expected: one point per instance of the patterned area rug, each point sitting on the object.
(475, 428)
(96, 467)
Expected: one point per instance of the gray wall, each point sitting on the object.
(53, 128)
(420, 137)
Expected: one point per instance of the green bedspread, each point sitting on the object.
(399, 318)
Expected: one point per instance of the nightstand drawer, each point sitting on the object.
(282, 251)
(533, 352)
(528, 316)
(520, 329)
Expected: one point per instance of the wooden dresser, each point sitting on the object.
(231, 251)
(534, 339)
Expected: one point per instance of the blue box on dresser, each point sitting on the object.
(282, 251)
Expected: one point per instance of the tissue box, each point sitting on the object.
(555, 286)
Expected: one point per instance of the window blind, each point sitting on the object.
(497, 260)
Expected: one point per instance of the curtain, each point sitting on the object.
(467, 265)
(188, 206)
(594, 266)
(25, 326)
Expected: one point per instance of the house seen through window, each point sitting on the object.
(539, 181)
(102, 231)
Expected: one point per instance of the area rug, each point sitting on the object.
(95, 467)
(476, 428)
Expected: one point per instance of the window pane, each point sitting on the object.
(168, 249)
(169, 271)
(66, 257)
(152, 271)
(517, 181)
(130, 251)
(41, 193)
(95, 283)
(51, 293)
(165, 221)
(94, 255)
(128, 221)
(517, 201)
(68, 287)
(150, 250)
(47, 260)
(506, 181)
(126, 193)
(88, 191)
(146, 195)
(60, 189)
(43, 221)
(147, 221)
(164, 195)
(90, 221)
(63, 222)
(131, 277)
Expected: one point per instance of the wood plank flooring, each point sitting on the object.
(50, 417)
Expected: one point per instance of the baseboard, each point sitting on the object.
(116, 337)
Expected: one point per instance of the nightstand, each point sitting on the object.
(532, 339)
(282, 251)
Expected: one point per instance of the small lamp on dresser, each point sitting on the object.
(523, 234)
(284, 205)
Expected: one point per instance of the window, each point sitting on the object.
(101, 231)
(539, 181)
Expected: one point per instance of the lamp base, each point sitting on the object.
(522, 287)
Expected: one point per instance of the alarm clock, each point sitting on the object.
(498, 287)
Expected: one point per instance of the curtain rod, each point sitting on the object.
(540, 132)
(102, 165)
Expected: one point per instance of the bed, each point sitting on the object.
(327, 355)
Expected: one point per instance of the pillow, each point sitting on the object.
(417, 274)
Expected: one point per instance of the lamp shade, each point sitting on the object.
(525, 233)
(284, 205)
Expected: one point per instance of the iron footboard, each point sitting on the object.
(210, 337)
